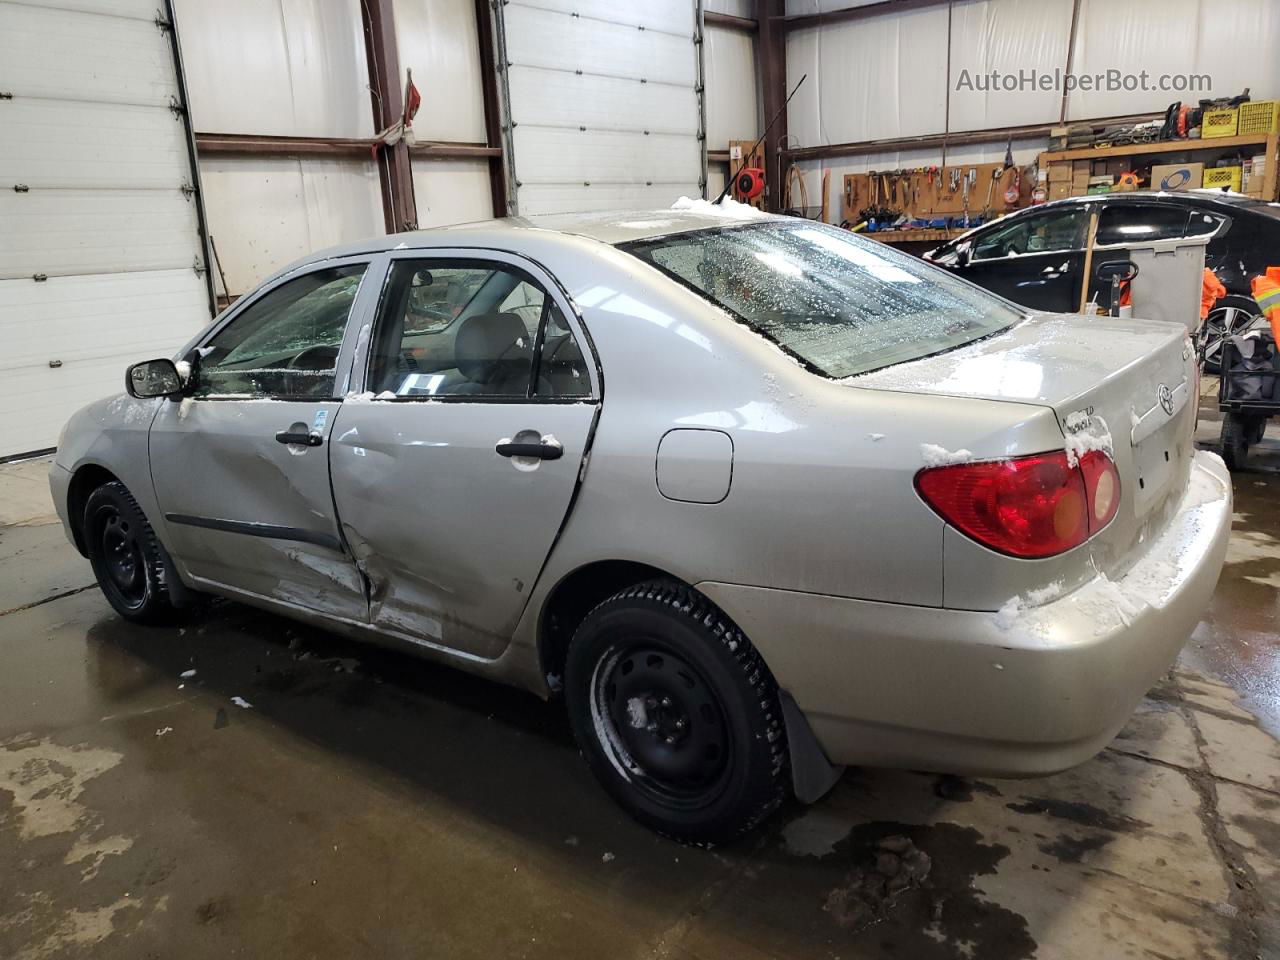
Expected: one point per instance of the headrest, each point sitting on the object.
(492, 346)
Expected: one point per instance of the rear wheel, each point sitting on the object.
(1235, 441)
(676, 713)
(126, 556)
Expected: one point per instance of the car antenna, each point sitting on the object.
(746, 157)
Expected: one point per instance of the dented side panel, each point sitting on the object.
(218, 462)
(451, 536)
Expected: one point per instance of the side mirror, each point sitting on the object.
(153, 378)
(962, 256)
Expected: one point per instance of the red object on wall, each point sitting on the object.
(749, 183)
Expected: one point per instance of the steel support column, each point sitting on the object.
(771, 49)
(492, 109)
(386, 89)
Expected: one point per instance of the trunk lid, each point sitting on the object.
(1127, 386)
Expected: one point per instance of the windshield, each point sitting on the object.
(842, 304)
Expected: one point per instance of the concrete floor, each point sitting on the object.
(365, 804)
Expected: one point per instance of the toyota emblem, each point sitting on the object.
(1166, 398)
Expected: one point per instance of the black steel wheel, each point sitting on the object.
(676, 713)
(126, 556)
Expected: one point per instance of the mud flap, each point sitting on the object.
(812, 774)
(180, 595)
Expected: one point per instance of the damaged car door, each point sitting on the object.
(456, 467)
(240, 465)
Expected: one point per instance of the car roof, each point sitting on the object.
(611, 227)
(1192, 198)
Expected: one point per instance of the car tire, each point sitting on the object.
(1235, 441)
(676, 713)
(1257, 430)
(127, 559)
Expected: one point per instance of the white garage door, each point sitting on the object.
(603, 102)
(101, 260)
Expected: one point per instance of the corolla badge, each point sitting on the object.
(1165, 396)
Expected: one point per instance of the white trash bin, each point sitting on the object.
(1169, 281)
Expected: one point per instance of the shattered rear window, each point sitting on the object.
(842, 304)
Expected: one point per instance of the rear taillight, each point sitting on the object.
(1027, 507)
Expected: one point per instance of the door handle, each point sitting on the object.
(300, 437)
(539, 451)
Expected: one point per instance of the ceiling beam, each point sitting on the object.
(361, 149)
(727, 20)
(801, 20)
(962, 138)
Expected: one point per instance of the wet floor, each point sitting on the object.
(246, 786)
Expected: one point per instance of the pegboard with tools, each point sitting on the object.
(983, 190)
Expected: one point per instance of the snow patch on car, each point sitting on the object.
(938, 456)
(1108, 604)
(1084, 433)
(1007, 616)
(369, 396)
(726, 209)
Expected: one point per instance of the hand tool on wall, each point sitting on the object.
(996, 173)
(1014, 193)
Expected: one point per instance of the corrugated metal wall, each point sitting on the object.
(101, 259)
(297, 67)
(885, 76)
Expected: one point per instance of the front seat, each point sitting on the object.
(493, 351)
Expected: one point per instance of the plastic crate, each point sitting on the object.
(1219, 123)
(1217, 177)
(1259, 116)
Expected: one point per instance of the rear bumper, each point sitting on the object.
(990, 694)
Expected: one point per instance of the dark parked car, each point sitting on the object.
(1035, 256)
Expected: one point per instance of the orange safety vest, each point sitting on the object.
(1266, 292)
(1211, 291)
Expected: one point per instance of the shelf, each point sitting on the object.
(1163, 146)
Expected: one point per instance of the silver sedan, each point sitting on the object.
(759, 497)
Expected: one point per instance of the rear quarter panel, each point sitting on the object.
(821, 497)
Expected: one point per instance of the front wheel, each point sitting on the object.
(676, 714)
(126, 556)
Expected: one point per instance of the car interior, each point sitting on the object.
(459, 329)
